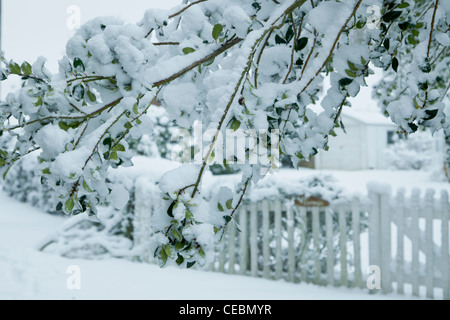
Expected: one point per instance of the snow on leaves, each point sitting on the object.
(243, 64)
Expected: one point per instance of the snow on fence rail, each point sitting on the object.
(407, 238)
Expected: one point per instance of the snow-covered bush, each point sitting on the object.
(24, 184)
(414, 152)
(236, 64)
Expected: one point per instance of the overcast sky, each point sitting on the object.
(33, 28)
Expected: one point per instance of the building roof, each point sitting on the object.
(369, 117)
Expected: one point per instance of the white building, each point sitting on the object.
(368, 133)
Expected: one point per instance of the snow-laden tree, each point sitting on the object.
(236, 65)
(425, 81)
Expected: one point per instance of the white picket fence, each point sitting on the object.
(407, 238)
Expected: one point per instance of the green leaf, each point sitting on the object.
(170, 209)
(78, 65)
(46, 171)
(217, 30)
(128, 126)
(227, 218)
(280, 40)
(395, 64)
(431, 114)
(360, 24)
(63, 126)
(256, 5)
(86, 186)
(180, 260)
(350, 73)
(120, 148)
(91, 96)
(220, 207)
(26, 68)
(168, 250)
(391, 16)
(403, 5)
(352, 66)
(2, 162)
(345, 82)
(14, 68)
(135, 109)
(3, 75)
(301, 43)
(113, 156)
(404, 25)
(235, 125)
(413, 127)
(162, 258)
(78, 92)
(289, 34)
(38, 102)
(108, 141)
(177, 234)
(6, 173)
(69, 205)
(188, 50)
(386, 44)
(190, 264)
(229, 204)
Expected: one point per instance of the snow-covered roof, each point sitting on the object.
(368, 117)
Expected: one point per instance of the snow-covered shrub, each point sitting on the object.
(24, 184)
(414, 152)
(160, 143)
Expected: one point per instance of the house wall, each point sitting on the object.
(346, 151)
(361, 148)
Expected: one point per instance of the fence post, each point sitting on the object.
(445, 208)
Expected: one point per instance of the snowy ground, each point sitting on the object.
(26, 273)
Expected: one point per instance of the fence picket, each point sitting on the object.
(415, 205)
(253, 240)
(231, 248)
(266, 239)
(291, 249)
(304, 223)
(356, 225)
(400, 222)
(243, 248)
(315, 212)
(278, 235)
(445, 269)
(386, 255)
(429, 213)
(330, 246)
(343, 244)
